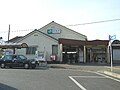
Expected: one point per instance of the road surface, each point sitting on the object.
(55, 79)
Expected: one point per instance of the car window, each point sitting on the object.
(8, 57)
(21, 57)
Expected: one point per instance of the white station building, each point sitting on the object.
(55, 39)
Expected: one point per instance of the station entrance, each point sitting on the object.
(77, 51)
(97, 55)
(72, 54)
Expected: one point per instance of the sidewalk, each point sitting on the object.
(102, 68)
(115, 71)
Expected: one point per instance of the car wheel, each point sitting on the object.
(2, 65)
(26, 66)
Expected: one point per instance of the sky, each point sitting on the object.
(27, 15)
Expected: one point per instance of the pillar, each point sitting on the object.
(84, 54)
(91, 55)
(61, 50)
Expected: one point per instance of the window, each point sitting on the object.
(54, 49)
(8, 57)
(21, 57)
(31, 50)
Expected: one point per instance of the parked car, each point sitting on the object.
(17, 61)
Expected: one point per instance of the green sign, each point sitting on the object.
(54, 31)
(49, 31)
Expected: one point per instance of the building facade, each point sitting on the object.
(47, 39)
(116, 51)
(67, 45)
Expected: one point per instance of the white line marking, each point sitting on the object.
(89, 76)
(78, 84)
(107, 76)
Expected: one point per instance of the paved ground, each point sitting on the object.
(61, 77)
(103, 68)
(56, 79)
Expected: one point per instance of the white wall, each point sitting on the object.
(65, 32)
(40, 41)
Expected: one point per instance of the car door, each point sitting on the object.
(15, 61)
(20, 60)
(8, 60)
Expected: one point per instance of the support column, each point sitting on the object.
(84, 54)
(61, 55)
(91, 55)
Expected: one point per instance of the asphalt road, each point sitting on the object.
(55, 79)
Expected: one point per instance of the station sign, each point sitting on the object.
(54, 31)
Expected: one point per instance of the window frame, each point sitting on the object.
(31, 50)
(56, 52)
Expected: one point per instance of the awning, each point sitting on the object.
(83, 43)
(13, 45)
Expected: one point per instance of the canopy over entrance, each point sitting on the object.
(85, 51)
(13, 46)
(83, 43)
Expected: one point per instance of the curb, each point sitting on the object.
(112, 74)
(113, 67)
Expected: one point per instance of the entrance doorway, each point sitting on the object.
(96, 55)
(72, 54)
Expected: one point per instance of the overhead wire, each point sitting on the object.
(95, 22)
(17, 30)
(67, 25)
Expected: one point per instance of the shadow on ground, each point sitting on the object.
(6, 87)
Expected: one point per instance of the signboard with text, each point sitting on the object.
(54, 31)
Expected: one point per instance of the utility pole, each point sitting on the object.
(9, 33)
(113, 37)
(111, 56)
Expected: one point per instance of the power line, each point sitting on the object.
(66, 25)
(17, 30)
(95, 22)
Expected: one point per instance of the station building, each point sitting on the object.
(116, 51)
(67, 45)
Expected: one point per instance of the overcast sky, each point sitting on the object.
(26, 15)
